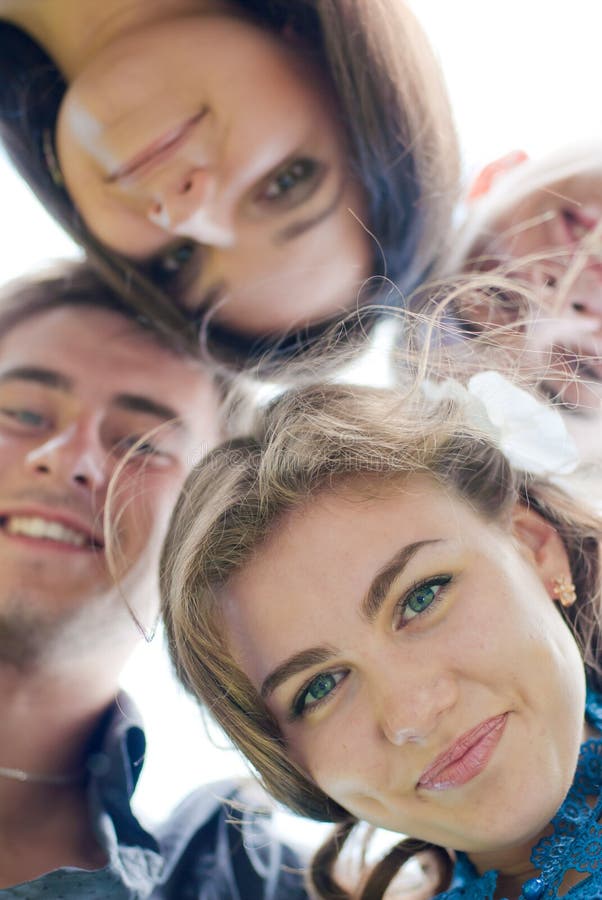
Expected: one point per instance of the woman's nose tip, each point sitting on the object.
(182, 201)
(400, 736)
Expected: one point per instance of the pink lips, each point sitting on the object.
(158, 151)
(467, 757)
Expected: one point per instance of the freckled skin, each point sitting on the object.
(493, 643)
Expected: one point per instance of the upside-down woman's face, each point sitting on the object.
(415, 661)
(211, 151)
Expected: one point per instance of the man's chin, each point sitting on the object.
(42, 627)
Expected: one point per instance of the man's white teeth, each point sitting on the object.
(32, 526)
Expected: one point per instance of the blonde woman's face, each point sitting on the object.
(553, 241)
(415, 662)
(212, 152)
(555, 236)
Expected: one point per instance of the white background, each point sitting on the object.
(521, 74)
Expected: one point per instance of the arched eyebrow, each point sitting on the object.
(293, 665)
(369, 607)
(381, 584)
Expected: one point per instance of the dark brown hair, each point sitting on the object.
(393, 107)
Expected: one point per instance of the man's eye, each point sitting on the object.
(317, 690)
(135, 446)
(294, 182)
(420, 599)
(25, 417)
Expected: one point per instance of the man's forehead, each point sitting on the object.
(101, 351)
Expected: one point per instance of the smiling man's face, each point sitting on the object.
(78, 388)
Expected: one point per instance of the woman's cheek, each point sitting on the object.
(336, 750)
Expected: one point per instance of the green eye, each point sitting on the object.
(420, 599)
(317, 689)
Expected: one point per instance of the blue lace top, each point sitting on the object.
(575, 844)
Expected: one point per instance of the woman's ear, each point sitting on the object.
(486, 177)
(540, 543)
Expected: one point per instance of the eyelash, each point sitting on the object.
(439, 581)
(299, 710)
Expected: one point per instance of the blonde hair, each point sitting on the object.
(311, 440)
(509, 190)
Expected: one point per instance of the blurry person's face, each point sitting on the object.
(552, 242)
(211, 151)
(78, 388)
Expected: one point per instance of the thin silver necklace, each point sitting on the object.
(55, 780)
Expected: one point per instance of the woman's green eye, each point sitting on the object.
(317, 689)
(421, 598)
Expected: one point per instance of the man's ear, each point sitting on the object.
(486, 177)
(540, 543)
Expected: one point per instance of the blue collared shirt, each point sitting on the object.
(208, 849)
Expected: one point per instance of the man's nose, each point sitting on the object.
(74, 456)
(409, 710)
(195, 208)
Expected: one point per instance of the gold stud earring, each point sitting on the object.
(564, 590)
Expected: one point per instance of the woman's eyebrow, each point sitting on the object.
(293, 665)
(381, 584)
(370, 606)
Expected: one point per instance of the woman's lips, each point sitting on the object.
(158, 151)
(465, 758)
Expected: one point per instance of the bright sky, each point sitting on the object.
(522, 74)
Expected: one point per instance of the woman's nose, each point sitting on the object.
(410, 712)
(194, 209)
